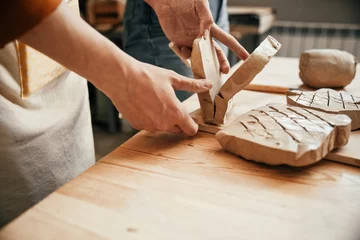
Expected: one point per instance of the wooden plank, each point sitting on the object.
(349, 153)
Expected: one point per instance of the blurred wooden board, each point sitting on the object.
(250, 20)
(350, 153)
(284, 72)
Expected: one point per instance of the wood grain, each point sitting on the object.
(163, 186)
(280, 134)
(328, 100)
(349, 153)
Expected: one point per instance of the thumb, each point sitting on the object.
(187, 124)
(191, 85)
(205, 16)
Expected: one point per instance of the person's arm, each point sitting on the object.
(18, 16)
(144, 94)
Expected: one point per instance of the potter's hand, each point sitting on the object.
(147, 99)
(144, 94)
(183, 21)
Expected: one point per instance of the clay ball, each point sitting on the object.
(327, 68)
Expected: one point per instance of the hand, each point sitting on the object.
(144, 94)
(147, 99)
(183, 21)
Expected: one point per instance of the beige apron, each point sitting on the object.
(46, 138)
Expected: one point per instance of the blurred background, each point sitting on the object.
(297, 24)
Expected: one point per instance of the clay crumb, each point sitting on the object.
(130, 229)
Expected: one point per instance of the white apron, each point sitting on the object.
(45, 139)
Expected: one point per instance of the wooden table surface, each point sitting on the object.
(165, 186)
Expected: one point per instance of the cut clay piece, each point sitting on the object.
(252, 66)
(327, 68)
(328, 100)
(280, 134)
(216, 103)
(205, 64)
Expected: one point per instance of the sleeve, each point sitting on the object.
(19, 16)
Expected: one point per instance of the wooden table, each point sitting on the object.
(164, 186)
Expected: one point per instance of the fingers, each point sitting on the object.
(224, 63)
(229, 41)
(185, 52)
(187, 124)
(180, 54)
(175, 129)
(206, 19)
(191, 85)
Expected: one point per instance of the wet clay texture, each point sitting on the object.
(280, 134)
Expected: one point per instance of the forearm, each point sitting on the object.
(69, 40)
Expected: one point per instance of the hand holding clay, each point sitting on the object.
(147, 99)
(183, 21)
(144, 94)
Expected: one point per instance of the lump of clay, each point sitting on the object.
(281, 134)
(320, 68)
(216, 102)
(328, 100)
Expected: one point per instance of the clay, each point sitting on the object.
(280, 134)
(205, 64)
(252, 66)
(327, 68)
(216, 103)
(328, 100)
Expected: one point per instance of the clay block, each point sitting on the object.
(280, 134)
(327, 68)
(215, 103)
(328, 100)
(252, 66)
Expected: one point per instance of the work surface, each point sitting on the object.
(165, 186)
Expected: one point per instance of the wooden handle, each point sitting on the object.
(265, 88)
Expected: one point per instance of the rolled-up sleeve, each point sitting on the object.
(19, 16)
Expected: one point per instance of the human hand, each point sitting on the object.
(183, 21)
(147, 99)
(143, 93)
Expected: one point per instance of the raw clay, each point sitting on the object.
(215, 103)
(280, 134)
(328, 100)
(327, 68)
